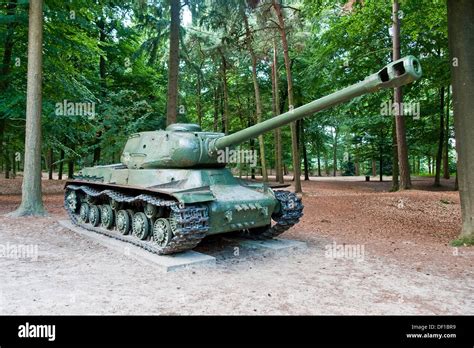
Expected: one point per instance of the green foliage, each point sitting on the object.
(463, 241)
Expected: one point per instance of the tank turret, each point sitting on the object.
(179, 146)
(172, 189)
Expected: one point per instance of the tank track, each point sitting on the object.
(291, 210)
(191, 222)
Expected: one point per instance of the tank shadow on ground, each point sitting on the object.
(233, 247)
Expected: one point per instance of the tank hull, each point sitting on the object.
(233, 204)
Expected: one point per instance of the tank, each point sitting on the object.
(172, 187)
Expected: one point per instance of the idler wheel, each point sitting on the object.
(94, 215)
(123, 221)
(141, 226)
(84, 212)
(162, 232)
(107, 216)
(72, 201)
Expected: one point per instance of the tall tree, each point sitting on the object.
(305, 152)
(173, 63)
(461, 49)
(103, 82)
(258, 99)
(334, 151)
(61, 164)
(225, 90)
(31, 199)
(446, 140)
(404, 166)
(439, 154)
(286, 55)
(395, 169)
(276, 112)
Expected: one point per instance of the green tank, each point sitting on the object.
(172, 189)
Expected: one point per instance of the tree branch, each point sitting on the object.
(291, 7)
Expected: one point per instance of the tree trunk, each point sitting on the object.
(429, 165)
(198, 100)
(334, 158)
(102, 58)
(275, 132)
(103, 86)
(6, 154)
(374, 167)
(8, 167)
(294, 140)
(173, 64)
(252, 148)
(225, 120)
(50, 164)
(258, 100)
(2, 135)
(439, 155)
(221, 107)
(318, 152)
(446, 140)
(395, 169)
(281, 177)
(461, 49)
(31, 199)
(70, 169)
(276, 112)
(216, 108)
(381, 166)
(404, 166)
(326, 163)
(277, 164)
(13, 165)
(456, 183)
(305, 155)
(96, 158)
(61, 165)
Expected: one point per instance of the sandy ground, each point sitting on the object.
(404, 263)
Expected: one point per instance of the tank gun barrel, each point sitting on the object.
(395, 74)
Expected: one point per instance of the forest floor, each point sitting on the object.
(402, 261)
